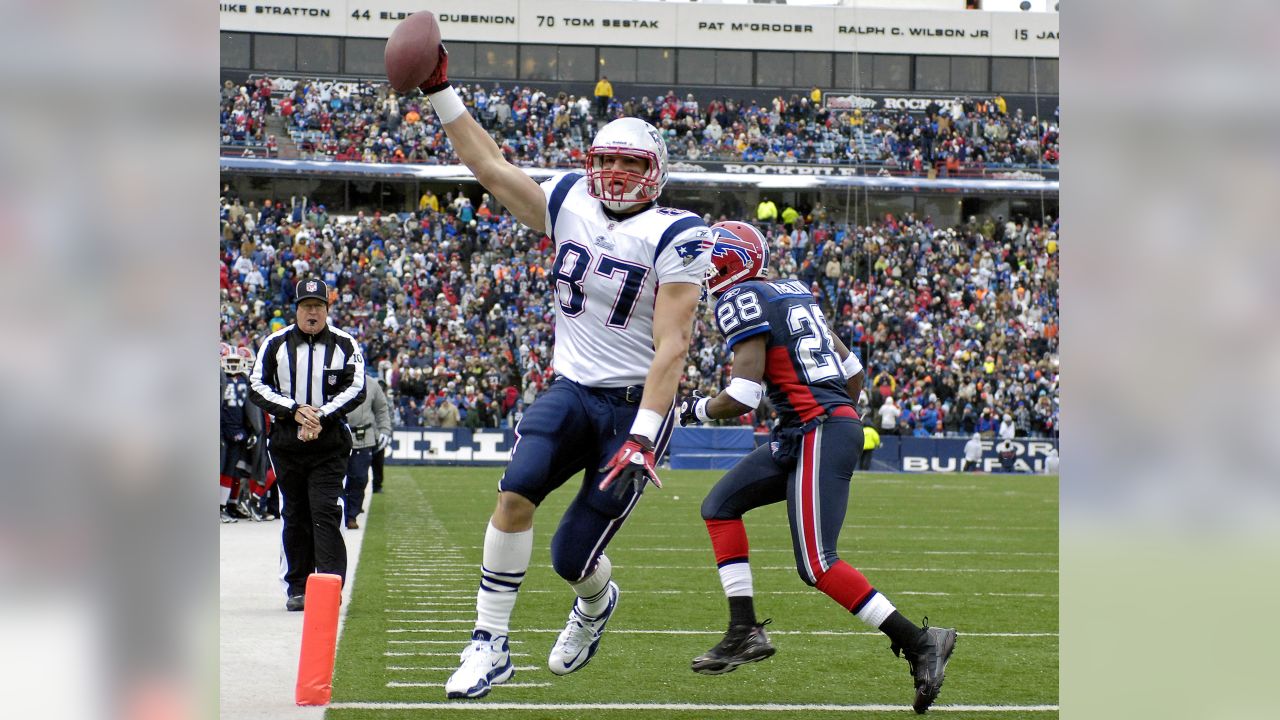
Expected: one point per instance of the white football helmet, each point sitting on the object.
(237, 361)
(631, 137)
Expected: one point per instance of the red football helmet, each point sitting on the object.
(739, 254)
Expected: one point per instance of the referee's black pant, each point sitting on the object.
(312, 486)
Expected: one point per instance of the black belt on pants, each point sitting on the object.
(630, 394)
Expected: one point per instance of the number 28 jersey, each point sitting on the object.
(802, 371)
(606, 276)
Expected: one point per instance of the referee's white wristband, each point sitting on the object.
(646, 424)
(447, 104)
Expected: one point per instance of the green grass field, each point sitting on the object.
(978, 553)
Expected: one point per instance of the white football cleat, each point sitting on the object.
(580, 637)
(485, 662)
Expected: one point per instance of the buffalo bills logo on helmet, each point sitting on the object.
(727, 242)
(739, 254)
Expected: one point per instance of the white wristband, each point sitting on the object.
(700, 410)
(851, 365)
(447, 104)
(646, 424)
(747, 392)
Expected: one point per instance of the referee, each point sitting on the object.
(309, 375)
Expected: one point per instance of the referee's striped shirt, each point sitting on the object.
(291, 368)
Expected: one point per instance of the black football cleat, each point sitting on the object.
(928, 661)
(741, 644)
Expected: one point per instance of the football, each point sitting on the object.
(412, 51)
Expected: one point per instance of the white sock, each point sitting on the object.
(593, 591)
(736, 579)
(224, 495)
(506, 558)
(876, 610)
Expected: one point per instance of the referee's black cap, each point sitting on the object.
(311, 288)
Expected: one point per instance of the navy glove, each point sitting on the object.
(689, 408)
(238, 437)
(631, 467)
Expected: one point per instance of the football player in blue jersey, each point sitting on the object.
(782, 345)
(238, 435)
(628, 277)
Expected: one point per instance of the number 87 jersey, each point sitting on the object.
(605, 280)
(802, 368)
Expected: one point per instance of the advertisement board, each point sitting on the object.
(681, 25)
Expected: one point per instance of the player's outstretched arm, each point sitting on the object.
(477, 150)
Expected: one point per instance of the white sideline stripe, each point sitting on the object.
(685, 707)
(792, 568)
(451, 668)
(839, 633)
(422, 685)
(437, 654)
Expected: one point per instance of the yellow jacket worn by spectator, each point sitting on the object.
(789, 215)
(815, 95)
(766, 211)
(604, 93)
(870, 439)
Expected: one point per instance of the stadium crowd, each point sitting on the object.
(957, 325)
(368, 122)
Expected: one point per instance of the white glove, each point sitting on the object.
(384, 441)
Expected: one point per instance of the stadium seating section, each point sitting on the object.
(959, 324)
(368, 122)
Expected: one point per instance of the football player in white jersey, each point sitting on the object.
(628, 278)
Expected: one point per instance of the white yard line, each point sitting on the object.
(623, 631)
(673, 707)
(440, 685)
